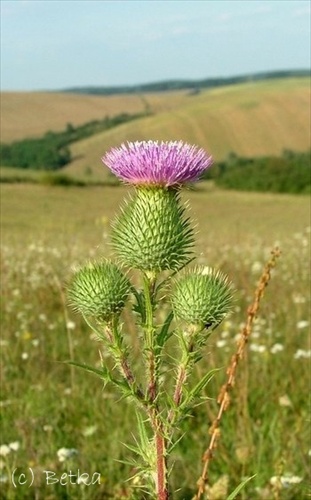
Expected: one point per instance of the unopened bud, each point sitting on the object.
(99, 290)
(202, 297)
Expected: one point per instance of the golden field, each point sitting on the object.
(32, 114)
(253, 119)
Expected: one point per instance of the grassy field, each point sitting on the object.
(253, 119)
(46, 405)
(32, 114)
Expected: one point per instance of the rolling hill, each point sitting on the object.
(251, 119)
(32, 114)
(254, 118)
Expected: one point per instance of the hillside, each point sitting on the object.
(32, 114)
(251, 119)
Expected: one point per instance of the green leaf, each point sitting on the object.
(239, 488)
(144, 439)
(132, 448)
(198, 388)
(164, 334)
(106, 376)
(203, 383)
(139, 307)
(103, 373)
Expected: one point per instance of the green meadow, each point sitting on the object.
(47, 405)
(56, 418)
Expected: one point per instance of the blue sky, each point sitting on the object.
(56, 44)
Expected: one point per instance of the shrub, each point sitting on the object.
(289, 173)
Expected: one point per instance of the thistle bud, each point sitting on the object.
(202, 297)
(152, 233)
(99, 290)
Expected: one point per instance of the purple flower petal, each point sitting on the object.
(160, 163)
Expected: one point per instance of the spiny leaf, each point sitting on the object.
(164, 334)
(103, 373)
(198, 389)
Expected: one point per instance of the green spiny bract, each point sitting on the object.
(202, 297)
(99, 290)
(152, 233)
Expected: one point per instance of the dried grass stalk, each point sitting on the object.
(224, 395)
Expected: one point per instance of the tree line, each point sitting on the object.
(51, 152)
(191, 85)
(289, 173)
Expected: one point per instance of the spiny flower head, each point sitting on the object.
(168, 163)
(99, 290)
(202, 297)
(152, 233)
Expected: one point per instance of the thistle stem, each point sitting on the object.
(120, 355)
(150, 340)
(162, 489)
(161, 479)
(182, 375)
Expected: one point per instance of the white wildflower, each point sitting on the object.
(257, 348)
(64, 454)
(302, 324)
(89, 431)
(289, 480)
(221, 343)
(276, 348)
(284, 400)
(4, 450)
(71, 325)
(14, 446)
(256, 267)
(301, 353)
(298, 298)
(285, 481)
(25, 355)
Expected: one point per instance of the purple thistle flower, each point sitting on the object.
(157, 163)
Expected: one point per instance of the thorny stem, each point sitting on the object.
(183, 371)
(150, 343)
(224, 397)
(154, 413)
(181, 378)
(120, 355)
(162, 489)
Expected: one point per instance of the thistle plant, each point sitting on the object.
(153, 236)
